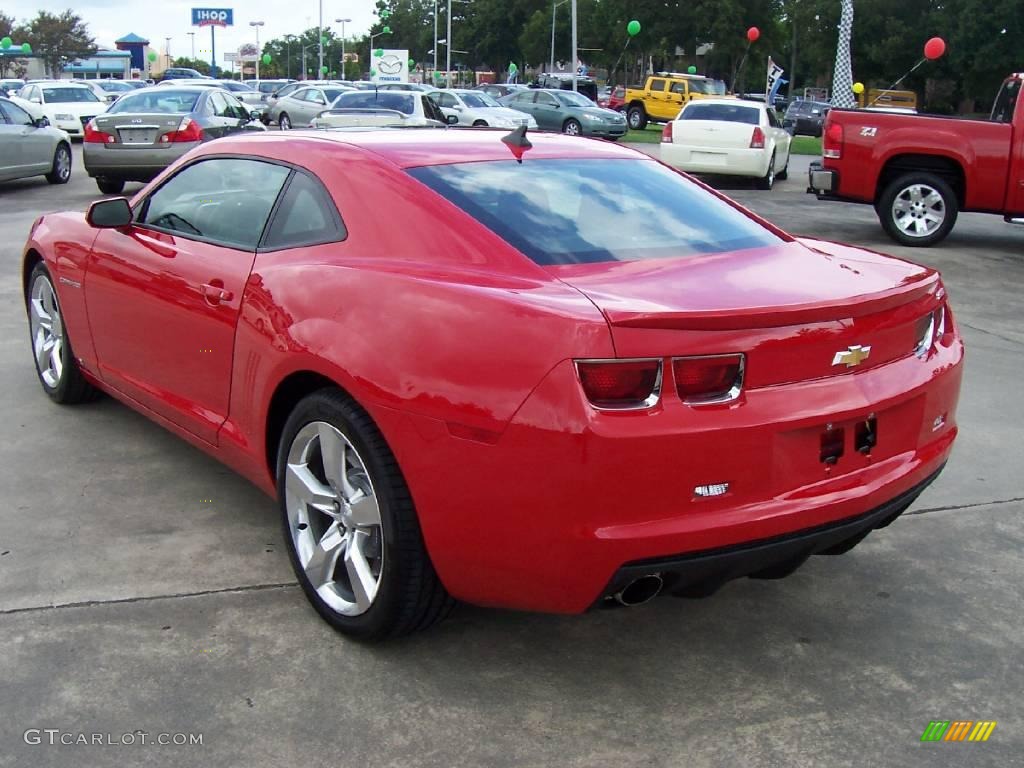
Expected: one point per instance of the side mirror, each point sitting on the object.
(451, 119)
(109, 214)
(42, 122)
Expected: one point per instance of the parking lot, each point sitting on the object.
(144, 587)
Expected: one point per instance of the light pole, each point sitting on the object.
(193, 36)
(434, 75)
(553, 7)
(257, 25)
(343, 22)
(320, 39)
(575, 50)
(304, 49)
(448, 48)
(384, 31)
(288, 56)
(167, 50)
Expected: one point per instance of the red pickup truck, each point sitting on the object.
(919, 171)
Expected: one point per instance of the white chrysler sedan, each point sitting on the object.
(67, 105)
(729, 137)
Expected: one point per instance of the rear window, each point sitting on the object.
(162, 101)
(584, 211)
(400, 102)
(729, 113)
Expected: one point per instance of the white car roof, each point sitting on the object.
(731, 102)
(62, 84)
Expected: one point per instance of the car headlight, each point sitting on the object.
(64, 116)
(594, 118)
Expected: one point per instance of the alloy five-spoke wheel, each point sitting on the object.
(56, 365)
(47, 331)
(334, 518)
(351, 528)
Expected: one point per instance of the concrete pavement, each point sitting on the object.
(143, 587)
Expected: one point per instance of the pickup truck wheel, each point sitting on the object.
(917, 209)
(768, 180)
(637, 118)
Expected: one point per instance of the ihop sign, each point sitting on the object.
(216, 17)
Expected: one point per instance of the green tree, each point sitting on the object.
(59, 39)
(200, 66)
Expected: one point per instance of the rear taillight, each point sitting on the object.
(666, 133)
(188, 130)
(93, 135)
(620, 384)
(757, 139)
(708, 379)
(832, 143)
(929, 331)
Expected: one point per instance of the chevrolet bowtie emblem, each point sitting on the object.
(852, 356)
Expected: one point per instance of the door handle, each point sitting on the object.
(215, 293)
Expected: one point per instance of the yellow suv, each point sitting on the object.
(664, 94)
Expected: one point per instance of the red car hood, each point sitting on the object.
(805, 281)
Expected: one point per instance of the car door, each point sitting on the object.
(678, 96)
(547, 111)
(656, 99)
(312, 104)
(448, 103)
(25, 150)
(239, 114)
(220, 118)
(163, 295)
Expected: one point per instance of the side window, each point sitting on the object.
(306, 216)
(15, 114)
(526, 97)
(679, 88)
(1006, 102)
(219, 104)
(446, 100)
(225, 200)
(237, 110)
(547, 100)
(431, 111)
(657, 85)
(315, 96)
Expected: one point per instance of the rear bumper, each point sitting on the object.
(723, 161)
(544, 515)
(134, 164)
(821, 181)
(700, 574)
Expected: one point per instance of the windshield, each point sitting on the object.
(574, 99)
(727, 113)
(167, 101)
(479, 100)
(400, 102)
(594, 210)
(68, 95)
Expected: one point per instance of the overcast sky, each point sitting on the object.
(157, 19)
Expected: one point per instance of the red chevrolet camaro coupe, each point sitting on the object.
(540, 376)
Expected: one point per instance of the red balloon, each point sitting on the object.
(753, 33)
(934, 48)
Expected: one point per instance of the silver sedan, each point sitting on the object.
(300, 107)
(29, 146)
(144, 132)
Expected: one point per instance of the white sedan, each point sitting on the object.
(729, 137)
(67, 105)
(479, 109)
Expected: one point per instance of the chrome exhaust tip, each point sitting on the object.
(640, 591)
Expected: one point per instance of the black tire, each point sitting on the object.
(572, 127)
(284, 122)
(767, 181)
(636, 118)
(784, 173)
(60, 170)
(71, 387)
(410, 596)
(109, 186)
(479, 123)
(902, 185)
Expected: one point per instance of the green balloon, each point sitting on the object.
(633, 28)
(323, 70)
(385, 14)
(379, 52)
(412, 63)
(373, 73)
(26, 48)
(6, 43)
(386, 30)
(266, 58)
(691, 69)
(152, 56)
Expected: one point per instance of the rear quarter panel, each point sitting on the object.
(871, 139)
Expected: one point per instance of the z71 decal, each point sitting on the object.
(869, 131)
